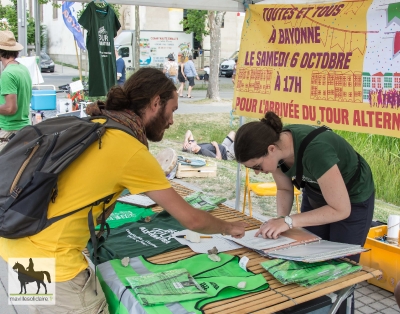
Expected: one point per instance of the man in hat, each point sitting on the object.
(171, 68)
(15, 89)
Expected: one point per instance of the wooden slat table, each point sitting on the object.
(278, 296)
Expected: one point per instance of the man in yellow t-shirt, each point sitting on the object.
(145, 104)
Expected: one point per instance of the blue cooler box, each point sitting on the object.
(43, 100)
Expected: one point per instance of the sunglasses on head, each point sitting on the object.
(257, 167)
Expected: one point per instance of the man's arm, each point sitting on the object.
(188, 136)
(193, 218)
(217, 151)
(10, 107)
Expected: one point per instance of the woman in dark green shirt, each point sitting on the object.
(335, 206)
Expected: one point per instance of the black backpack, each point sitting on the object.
(30, 164)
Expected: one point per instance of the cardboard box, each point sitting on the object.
(186, 171)
(64, 105)
(382, 256)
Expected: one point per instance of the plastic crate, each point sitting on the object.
(382, 256)
(43, 99)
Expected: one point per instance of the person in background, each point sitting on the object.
(171, 68)
(206, 73)
(15, 89)
(145, 104)
(234, 71)
(223, 151)
(121, 72)
(190, 75)
(181, 76)
(397, 294)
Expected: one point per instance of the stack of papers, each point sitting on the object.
(317, 251)
(298, 244)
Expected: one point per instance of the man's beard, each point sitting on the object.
(156, 127)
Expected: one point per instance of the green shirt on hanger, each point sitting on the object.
(102, 25)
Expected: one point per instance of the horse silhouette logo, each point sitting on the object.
(28, 275)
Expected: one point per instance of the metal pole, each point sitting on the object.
(238, 174)
(22, 27)
(37, 29)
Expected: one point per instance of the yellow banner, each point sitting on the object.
(327, 64)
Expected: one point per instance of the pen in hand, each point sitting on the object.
(182, 236)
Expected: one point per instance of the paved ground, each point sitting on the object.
(368, 298)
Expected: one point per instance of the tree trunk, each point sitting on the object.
(215, 19)
(136, 61)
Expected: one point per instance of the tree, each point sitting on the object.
(203, 23)
(215, 19)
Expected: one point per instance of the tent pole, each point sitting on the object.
(238, 173)
(77, 59)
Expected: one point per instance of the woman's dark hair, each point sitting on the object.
(8, 54)
(139, 89)
(253, 138)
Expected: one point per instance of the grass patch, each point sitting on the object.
(382, 153)
(67, 65)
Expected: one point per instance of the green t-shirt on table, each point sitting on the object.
(323, 152)
(16, 79)
(102, 29)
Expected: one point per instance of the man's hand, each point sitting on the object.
(186, 145)
(237, 229)
(272, 228)
(214, 143)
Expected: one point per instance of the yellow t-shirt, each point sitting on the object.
(122, 162)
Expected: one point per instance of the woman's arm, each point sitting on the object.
(284, 195)
(338, 207)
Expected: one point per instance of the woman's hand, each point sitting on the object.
(272, 228)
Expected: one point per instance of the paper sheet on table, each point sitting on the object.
(259, 243)
(318, 251)
(222, 243)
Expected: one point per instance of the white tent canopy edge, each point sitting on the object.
(213, 5)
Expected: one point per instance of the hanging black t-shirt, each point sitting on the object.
(102, 28)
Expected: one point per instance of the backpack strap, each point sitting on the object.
(298, 181)
(92, 231)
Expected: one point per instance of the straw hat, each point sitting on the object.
(8, 42)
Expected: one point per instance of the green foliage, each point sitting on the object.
(383, 155)
(196, 22)
(9, 13)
